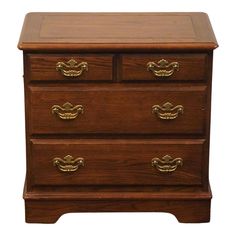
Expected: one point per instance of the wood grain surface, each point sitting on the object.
(49, 211)
(117, 109)
(192, 67)
(116, 31)
(42, 67)
(116, 162)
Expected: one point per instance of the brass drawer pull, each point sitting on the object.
(67, 111)
(167, 163)
(167, 111)
(68, 163)
(162, 68)
(72, 68)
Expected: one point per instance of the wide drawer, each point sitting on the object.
(164, 67)
(117, 109)
(70, 67)
(116, 162)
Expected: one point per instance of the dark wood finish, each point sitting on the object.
(49, 211)
(43, 67)
(191, 67)
(187, 207)
(82, 189)
(117, 134)
(117, 31)
(195, 194)
(128, 160)
(119, 109)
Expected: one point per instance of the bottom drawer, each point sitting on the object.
(115, 162)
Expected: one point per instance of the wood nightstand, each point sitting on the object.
(117, 113)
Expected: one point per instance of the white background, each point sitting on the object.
(12, 145)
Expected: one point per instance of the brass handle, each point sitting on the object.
(68, 163)
(67, 111)
(167, 163)
(167, 111)
(72, 68)
(162, 68)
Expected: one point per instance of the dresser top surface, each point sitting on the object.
(107, 31)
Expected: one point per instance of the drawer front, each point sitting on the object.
(70, 67)
(164, 67)
(116, 162)
(109, 109)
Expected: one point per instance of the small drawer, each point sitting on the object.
(116, 162)
(164, 67)
(117, 109)
(70, 67)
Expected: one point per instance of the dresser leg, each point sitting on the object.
(197, 211)
(41, 212)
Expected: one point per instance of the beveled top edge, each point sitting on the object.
(54, 47)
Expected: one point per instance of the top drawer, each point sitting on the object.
(70, 67)
(164, 67)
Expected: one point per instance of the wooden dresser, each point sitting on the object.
(117, 113)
